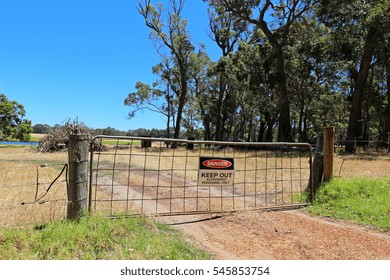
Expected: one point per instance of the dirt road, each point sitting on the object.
(275, 235)
(282, 235)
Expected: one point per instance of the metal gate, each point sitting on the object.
(134, 175)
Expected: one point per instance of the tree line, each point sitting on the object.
(287, 68)
(110, 131)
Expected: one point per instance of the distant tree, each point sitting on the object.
(141, 132)
(12, 122)
(109, 131)
(42, 128)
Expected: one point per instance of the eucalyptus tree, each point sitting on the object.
(357, 27)
(255, 98)
(315, 101)
(376, 103)
(147, 97)
(168, 30)
(274, 19)
(386, 87)
(226, 33)
(380, 81)
(199, 92)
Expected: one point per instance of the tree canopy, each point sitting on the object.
(286, 70)
(12, 122)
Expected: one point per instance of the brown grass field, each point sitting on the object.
(26, 176)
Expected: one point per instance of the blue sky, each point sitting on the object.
(68, 59)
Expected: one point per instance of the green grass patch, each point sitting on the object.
(121, 142)
(95, 238)
(35, 139)
(361, 200)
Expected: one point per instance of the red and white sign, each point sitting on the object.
(216, 171)
(217, 163)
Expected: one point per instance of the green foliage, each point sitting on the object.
(42, 128)
(379, 15)
(168, 29)
(109, 131)
(94, 238)
(362, 200)
(286, 67)
(145, 98)
(12, 122)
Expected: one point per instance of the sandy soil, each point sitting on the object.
(282, 235)
(277, 235)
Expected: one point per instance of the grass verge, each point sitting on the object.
(94, 238)
(122, 142)
(364, 201)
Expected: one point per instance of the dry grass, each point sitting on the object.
(29, 154)
(361, 166)
(37, 136)
(25, 179)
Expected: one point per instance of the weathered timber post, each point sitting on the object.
(146, 143)
(328, 153)
(78, 175)
(318, 163)
(190, 146)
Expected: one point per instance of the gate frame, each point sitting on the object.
(215, 143)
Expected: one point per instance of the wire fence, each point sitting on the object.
(146, 176)
(32, 193)
(370, 159)
(352, 166)
(366, 146)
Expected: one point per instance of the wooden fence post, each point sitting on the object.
(318, 164)
(328, 153)
(78, 147)
(146, 143)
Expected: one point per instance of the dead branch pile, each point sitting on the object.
(58, 139)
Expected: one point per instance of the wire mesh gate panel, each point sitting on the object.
(133, 175)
